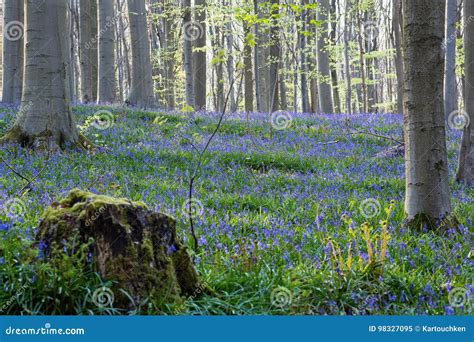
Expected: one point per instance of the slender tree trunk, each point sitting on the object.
(45, 116)
(262, 63)
(325, 91)
(188, 32)
(450, 86)
(334, 79)
(427, 196)
(12, 51)
(169, 44)
(248, 75)
(347, 63)
(199, 55)
(88, 49)
(141, 89)
(106, 84)
(230, 61)
(466, 154)
(275, 56)
(362, 63)
(396, 9)
(304, 66)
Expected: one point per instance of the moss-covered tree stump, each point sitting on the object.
(133, 246)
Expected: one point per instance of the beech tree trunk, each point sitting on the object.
(106, 82)
(274, 58)
(88, 49)
(45, 116)
(248, 75)
(199, 56)
(12, 51)
(188, 32)
(427, 197)
(325, 91)
(450, 86)
(347, 61)
(396, 27)
(466, 155)
(141, 89)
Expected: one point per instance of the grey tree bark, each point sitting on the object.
(427, 195)
(325, 91)
(261, 60)
(275, 55)
(12, 51)
(347, 61)
(396, 27)
(188, 32)
(303, 60)
(199, 56)
(106, 52)
(450, 86)
(88, 49)
(141, 89)
(45, 116)
(248, 74)
(466, 154)
(334, 78)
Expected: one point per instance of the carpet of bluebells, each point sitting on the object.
(292, 217)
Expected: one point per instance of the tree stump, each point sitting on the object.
(133, 246)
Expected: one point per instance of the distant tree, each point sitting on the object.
(427, 195)
(12, 51)
(325, 91)
(466, 154)
(188, 32)
(141, 89)
(275, 55)
(450, 85)
(199, 55)
(347, 61)
(106, 81)
(88, 49)
(45, 114)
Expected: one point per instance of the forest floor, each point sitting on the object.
(302, 220)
